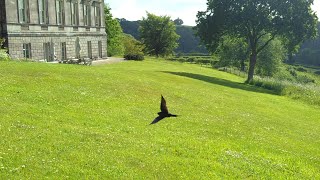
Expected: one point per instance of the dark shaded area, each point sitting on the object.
(309, 52)
(130, 27)
(221, 82)
(188, 42)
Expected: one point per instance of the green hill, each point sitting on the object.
(92, 122)
(188, 42)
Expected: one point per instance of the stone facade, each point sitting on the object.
(53, 29)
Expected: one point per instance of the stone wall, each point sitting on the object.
(38, 34)
(37, 46)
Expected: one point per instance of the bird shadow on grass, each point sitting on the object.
(222, 82)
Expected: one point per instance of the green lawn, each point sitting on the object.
(92, 122)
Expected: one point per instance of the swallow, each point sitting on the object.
(164, 112)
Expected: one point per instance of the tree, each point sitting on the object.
(158, 33)
(188, 42)
(178, 22)
(271, 57)
(233, 51)
(114, 33)
(132, 47)
(255, 20)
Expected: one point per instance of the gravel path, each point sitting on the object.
(110, 60)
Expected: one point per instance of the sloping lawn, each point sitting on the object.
(92, 122)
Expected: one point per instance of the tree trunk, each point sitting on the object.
(252, 64)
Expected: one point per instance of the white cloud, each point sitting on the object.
(316, 7)
(136, 9)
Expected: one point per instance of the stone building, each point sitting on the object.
(53, 29)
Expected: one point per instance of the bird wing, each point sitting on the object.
(163, 105)
(157, 119)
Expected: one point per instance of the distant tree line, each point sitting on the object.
(188, 43)
(309, 53)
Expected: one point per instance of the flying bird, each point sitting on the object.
(164, 112)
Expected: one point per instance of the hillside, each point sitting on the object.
(188, 42)
(67, 121)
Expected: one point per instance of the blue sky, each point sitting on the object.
(184, 9)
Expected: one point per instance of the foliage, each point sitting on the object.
(178, 22)
(3, 52)
(309, 93)
(91, 122)
(188, 42)
(254, 20)
(309, 56)
(114, 33)
(133, 49)
(232, 51)
(202, 60)
(137, 57)
(158, 34)
(309, 52)
(130, 27)
(270, 59)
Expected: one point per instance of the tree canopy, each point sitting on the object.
(258, 21)
(178, 21)
(158, 33)
(114, 33)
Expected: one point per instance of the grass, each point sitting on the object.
(92, 122)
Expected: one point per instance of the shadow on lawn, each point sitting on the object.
(221, 82)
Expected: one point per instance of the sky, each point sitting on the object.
(184, 9)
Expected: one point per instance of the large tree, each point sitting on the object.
(158, 33)
(256, 20)
(114, 33)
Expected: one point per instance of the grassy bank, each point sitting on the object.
(60, 121)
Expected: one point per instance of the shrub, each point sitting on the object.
(3, 52)
(317, 72)
(292, 71)
(309, 93)
(301, 69)
(3, 55)
(191, 59)
(304, 79)
(133, 48)
(136, 57)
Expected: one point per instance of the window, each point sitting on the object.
(23, 11)
(89, 49)
(63, 51)
(100, 49)
(43, 11)
(86, 15)
(60, 12)
(47, 55)
(74, 13)
(26, 50)
(97, 14)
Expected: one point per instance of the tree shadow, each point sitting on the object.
(222, 82)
